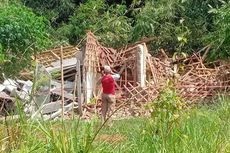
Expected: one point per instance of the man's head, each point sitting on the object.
(107, 69)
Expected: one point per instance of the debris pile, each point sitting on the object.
(66, 78)
(200, 80)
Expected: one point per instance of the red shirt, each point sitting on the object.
(108, 84)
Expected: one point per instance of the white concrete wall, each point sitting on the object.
(90, 79)
(141, 64)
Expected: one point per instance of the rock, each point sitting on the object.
(10, 85)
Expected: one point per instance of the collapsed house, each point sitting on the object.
(92, 57)
(69, 75)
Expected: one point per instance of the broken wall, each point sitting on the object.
(91, 66)
(131, 59)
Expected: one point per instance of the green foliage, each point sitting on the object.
(56, 11)
(167, 105)
(86, 17)
(198, 20)
(22, 35)
(115, 28)
(166, 111)
(179, 25)
(108, 22)
(25, 135)
(1, 54)
(158, 19)
(220, 37)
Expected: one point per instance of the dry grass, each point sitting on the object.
(112, 139)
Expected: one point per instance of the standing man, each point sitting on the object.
(108, 91)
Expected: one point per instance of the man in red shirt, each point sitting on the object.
(108, 91)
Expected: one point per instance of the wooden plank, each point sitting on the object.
(55, 55)
(119, 88)
(62, 82)
(149, 62)
(78, 69)
(138, 92)
(133, 96)
(126, 75)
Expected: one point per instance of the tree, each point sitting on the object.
(22, 34)
(56, 11)
(219, 38)
(108, 22)
(198, 20)
(180, 25)
(83, 15)
(159, 19)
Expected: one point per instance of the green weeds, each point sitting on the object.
(199, 129)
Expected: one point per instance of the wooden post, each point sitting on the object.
(79, 87)
(74, 89)
(126, 75)
(62, 83)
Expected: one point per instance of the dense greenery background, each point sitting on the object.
(28, 26)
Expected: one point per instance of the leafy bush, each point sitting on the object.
(198, 20)
(165, 112)
(22, 35)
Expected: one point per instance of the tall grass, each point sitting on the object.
(204, 129)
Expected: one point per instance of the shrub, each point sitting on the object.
(166, 111)
(22, 35)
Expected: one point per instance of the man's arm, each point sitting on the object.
(116, 76)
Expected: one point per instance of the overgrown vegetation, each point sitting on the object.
(178, 26)
(200, 129)
(166, 112)
(220, 35)
(22, 34)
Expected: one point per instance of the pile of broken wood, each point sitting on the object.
(201, 80)
(195, 80)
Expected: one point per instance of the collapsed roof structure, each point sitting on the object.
(68, 74)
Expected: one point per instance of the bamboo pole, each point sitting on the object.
(62, 83)
(74, 89)
(79, 92)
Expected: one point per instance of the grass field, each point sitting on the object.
(204, 129)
